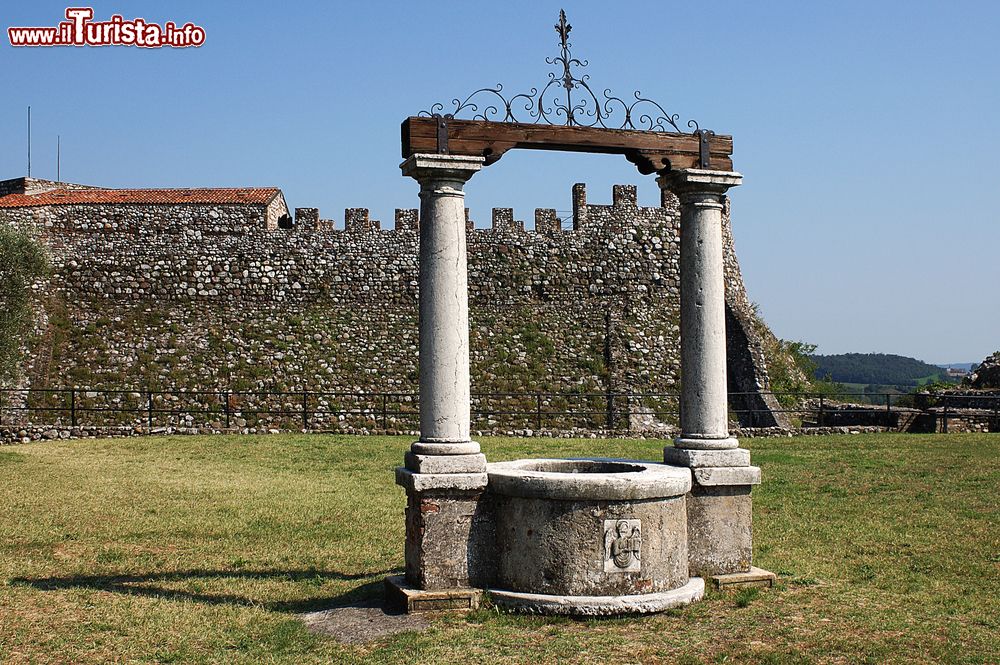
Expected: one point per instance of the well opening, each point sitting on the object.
(579, 466)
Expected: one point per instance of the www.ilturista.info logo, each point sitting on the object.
(80, 30)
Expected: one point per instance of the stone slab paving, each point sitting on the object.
(364, 621)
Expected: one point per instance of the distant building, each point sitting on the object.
(60, 205)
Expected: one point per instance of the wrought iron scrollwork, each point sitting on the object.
(495, 106)
(576, 105)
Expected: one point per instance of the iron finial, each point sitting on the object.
(563, 28)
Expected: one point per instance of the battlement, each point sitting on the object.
(624, 207)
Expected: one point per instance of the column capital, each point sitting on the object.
(699, 181)
(428, 168)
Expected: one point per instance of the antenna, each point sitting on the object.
(58, 155)
(29, 141)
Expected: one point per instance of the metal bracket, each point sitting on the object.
(704, 147)
(442, 132)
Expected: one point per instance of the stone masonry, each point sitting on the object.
(239, 296)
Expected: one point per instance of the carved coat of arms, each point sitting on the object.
(622, 546)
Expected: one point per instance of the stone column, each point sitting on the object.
(444, 474)
(444, 312)
(704, 401)
(719, 505)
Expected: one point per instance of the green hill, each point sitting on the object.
(876, 368)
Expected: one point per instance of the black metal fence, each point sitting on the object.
(920, 412)
(399, 411)
(306, 409)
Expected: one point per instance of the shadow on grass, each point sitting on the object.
(152, 585)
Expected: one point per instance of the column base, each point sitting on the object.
(444, 447)
(701, 458)
(441, 482)
(448, 464)
(691, 443)
(727, 476)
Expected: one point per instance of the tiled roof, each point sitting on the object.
(235, 195)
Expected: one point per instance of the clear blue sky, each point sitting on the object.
(866, 131)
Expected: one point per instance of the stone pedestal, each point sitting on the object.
(719, 510)
(444, 473)
(449, 530)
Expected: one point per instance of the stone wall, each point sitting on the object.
(124, 223)
(959, 398)
(222, 297)
(986, 375)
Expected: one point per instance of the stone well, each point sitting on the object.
(579, 536)
(591, 536)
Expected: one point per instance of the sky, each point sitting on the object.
(866, 131)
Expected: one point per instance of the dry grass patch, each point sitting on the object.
(192, 549)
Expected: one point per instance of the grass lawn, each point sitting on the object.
(204, 549)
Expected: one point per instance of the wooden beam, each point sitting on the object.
(651, 152)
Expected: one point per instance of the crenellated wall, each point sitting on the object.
(219, 297)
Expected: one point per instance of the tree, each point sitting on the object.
(22, 261)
